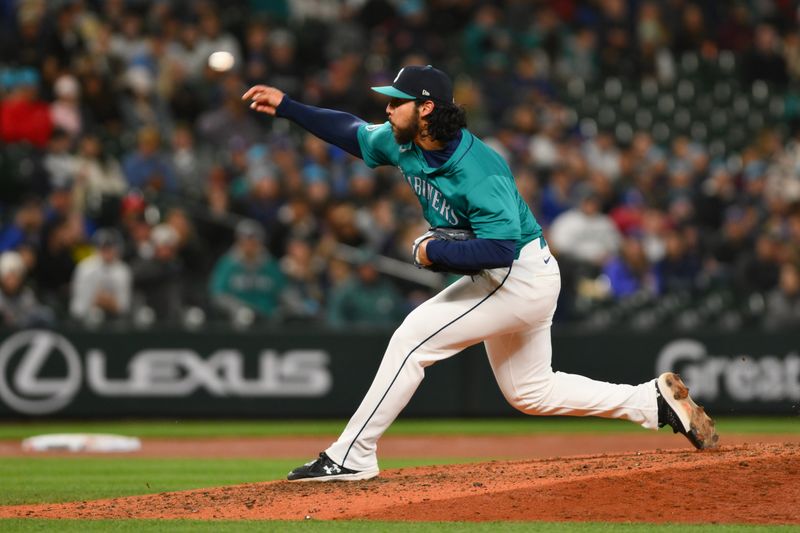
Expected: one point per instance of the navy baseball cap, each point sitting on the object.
(420, 83)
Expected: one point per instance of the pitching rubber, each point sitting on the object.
(699, 427)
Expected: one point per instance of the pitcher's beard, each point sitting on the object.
(407, 134)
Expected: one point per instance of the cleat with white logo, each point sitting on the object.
(676, 409)
(324, 469)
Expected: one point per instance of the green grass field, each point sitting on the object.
(520, 425)
(58, 479)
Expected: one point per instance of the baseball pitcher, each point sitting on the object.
(483, 229)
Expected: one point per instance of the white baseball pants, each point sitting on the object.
(511, 311)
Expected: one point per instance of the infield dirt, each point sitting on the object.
(745, 484)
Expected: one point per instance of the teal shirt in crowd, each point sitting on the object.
(474, 189)
(355, 303)
(258, 286)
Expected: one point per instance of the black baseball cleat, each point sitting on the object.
(324, 469)
(676, 409)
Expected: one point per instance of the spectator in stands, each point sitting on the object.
(23, 43)
(602, 155)
(99, 182)
(655, 226)
(64, 42)
(19, 307)
(365, 299)
(261, 194)
(295, 220)
(103, 113)
(783, 302)
(61, 246)
(731, 242)
(343, 225)
(584, 233)
(65, 111)
(26, 227)
(158, 276)
(556, 198)
(580, 57)
(483, 35)
(102, 283)
(191, 245)
(59, 161)
(60, 201)
(759, 269)
(379, 224)
(304, 293)
(214, 38)
(629, 211)
(247, 276)
(718, 193)
(230, 120)
(736, 29)
(24, 117)
(650, 29)
(316, 182)
(191, 165)
(691, 30)
(135, 227)
(282, 65)
(142, 107)
(630, 272)
(218, 194)
(186, 53)
(129, 42)
(616, 41)
(193, 252)
(148, 169)
(325, 163)
(681, 265)
(764, 60)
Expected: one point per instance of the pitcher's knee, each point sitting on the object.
(529, 406)
(533, 400)
(415, 332)
(403, 341)
(405, 346)
(416, 346)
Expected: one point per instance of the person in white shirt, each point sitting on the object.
(584, 233)
(102, 283)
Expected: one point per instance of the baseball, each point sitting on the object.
(221, 61)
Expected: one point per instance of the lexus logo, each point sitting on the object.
(23, 387)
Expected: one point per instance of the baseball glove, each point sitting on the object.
(444, 234)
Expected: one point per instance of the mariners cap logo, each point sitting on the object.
(420, 83)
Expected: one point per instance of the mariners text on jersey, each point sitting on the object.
(432, 196)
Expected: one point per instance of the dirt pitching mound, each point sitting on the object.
(756, 484)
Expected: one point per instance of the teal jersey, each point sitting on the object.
(258, 286)
(474, 189)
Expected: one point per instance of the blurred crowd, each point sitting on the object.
(137, 187)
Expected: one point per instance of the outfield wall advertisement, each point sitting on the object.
(164, 374)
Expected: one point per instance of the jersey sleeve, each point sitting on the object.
(493, 209)
(378, 146)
